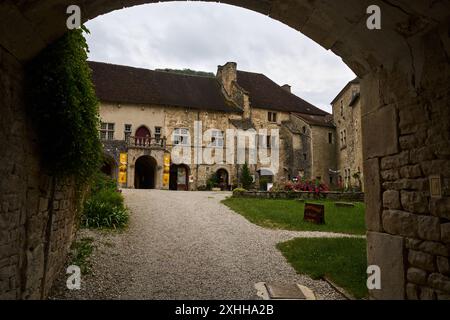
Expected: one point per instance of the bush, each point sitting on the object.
(213, 181)
(263, 181)
(64, 107)
(104, 208)
(315, 186)
(246, 178)
(238, 191)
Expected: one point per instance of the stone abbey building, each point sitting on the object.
(145, 114)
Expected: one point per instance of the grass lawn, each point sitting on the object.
(288, 215)
(343, 260)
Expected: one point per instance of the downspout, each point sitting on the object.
(197, 164)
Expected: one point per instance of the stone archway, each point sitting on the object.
(145, 173)
(405, 110)
(223, 178)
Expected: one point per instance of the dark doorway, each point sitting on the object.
(142, 136)
(144, 173)
(107, 169)
(222, 177)
(179, 177)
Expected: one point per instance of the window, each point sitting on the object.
(272, 116)
(180, 136)
(217, 138)
(268, 142)
(157, 133)
(304, 129)
(343, 138)
(330, 137)
(127, 132)
(106, 131)
(342, 108)
(305, 156)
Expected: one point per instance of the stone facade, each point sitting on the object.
(304, 147)
(347, 119)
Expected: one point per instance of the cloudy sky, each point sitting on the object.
(201, 36)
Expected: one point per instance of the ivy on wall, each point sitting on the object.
(64, 108)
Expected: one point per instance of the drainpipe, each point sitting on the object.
(197, 165)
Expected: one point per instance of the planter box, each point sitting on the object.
(304, 195)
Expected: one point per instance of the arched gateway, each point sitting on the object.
(405, 96)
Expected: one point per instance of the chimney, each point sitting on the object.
(287, 88)
(227, 74)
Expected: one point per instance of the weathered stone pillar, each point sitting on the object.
(406, 138)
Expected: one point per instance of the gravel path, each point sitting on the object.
(187, 245)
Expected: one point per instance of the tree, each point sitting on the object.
(246, 178)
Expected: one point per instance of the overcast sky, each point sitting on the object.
(201, 36)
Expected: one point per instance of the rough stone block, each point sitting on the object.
(417, 276)
(414, 201)
(400, 223)
(411, 171)
(421, 260)
(390, 175)
(440, 207)
(445, 232)
(395, 161)
(379, 130)
(443, 264)
(434, 248)
(439, 281)
(429, 228)
(412, 292)
(386, 251)
(427, 294)
(391, 199)
(372, 195)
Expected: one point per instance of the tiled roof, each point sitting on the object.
(114, 83)
(317, 120)
(266, 94)
(123, 84)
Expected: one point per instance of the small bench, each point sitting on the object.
(344, 204)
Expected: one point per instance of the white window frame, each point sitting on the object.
(217, 140)
(129, 132)
(181, 136)
(107, 131)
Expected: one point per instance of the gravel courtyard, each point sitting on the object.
(187, 245)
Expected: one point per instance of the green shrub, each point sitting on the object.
(104, 208)
(99, 214)
(246, 177)
(213, 181)
(64, 107)
(263, 181)
(238, 191)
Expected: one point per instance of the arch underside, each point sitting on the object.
(338, 25)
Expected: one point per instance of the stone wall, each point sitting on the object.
(323, 153)
(36, 211)
(348, 121)
(406, 132)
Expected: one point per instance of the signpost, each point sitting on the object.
(314, 213)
